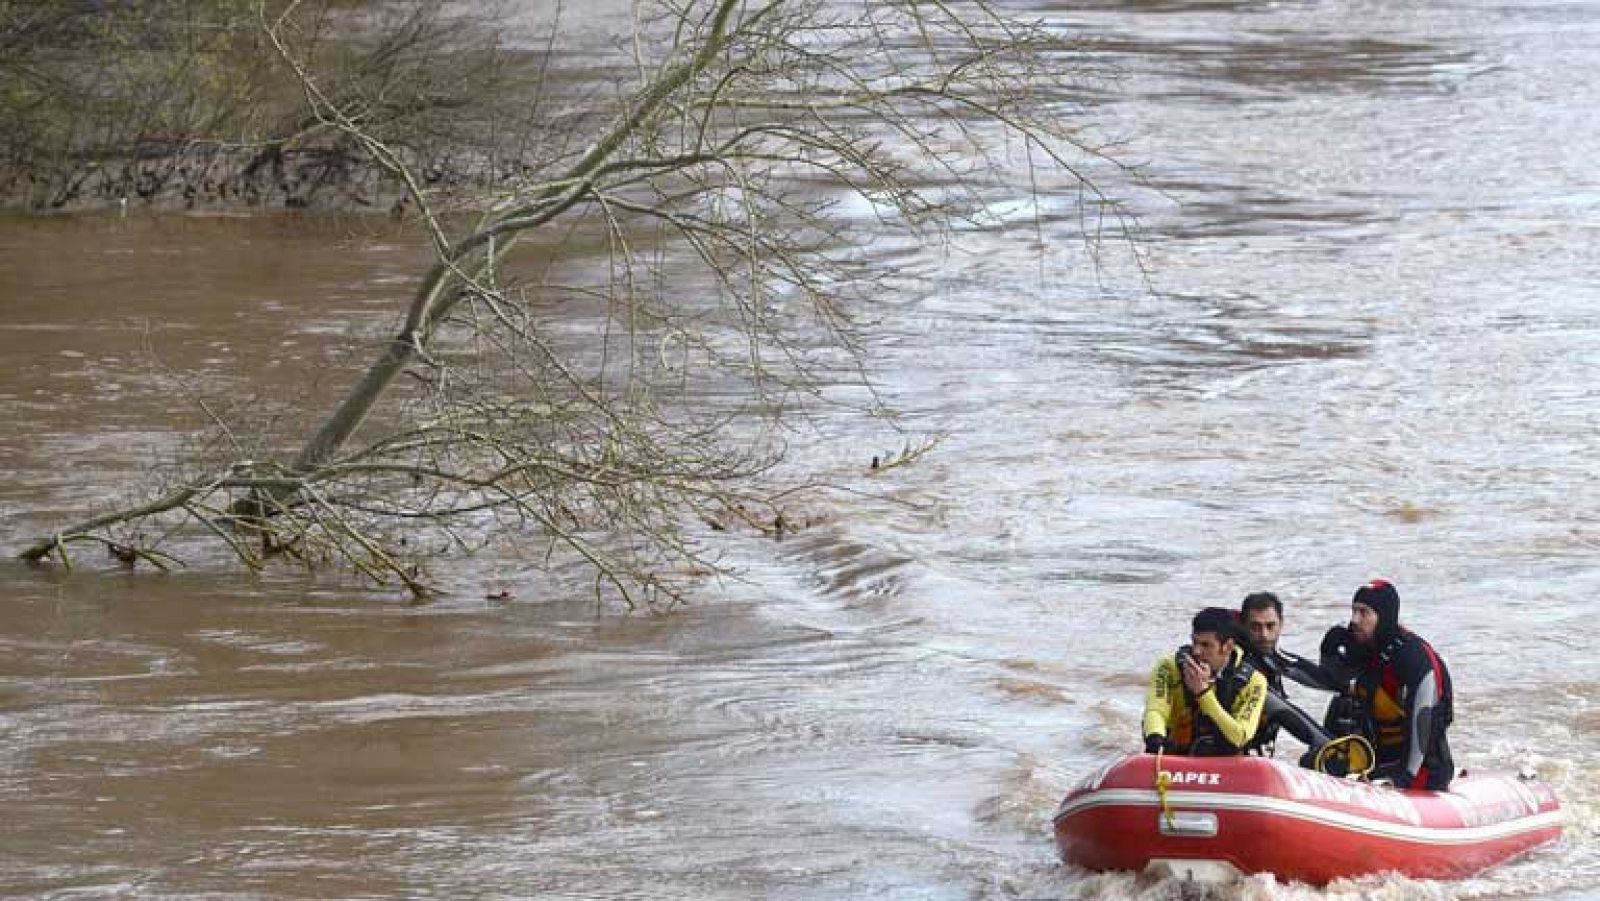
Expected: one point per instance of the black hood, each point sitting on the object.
(1383, 598)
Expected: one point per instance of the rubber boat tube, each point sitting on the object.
(1211, 815)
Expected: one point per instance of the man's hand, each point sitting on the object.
(1336, 643)
(1196, 675)
(1155, 743)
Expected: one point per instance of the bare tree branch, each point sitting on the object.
(607, 356)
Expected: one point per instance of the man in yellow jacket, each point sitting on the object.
(1207, 699)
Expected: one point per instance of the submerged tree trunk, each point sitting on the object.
(355, 407)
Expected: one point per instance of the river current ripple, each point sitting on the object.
(1368, 346)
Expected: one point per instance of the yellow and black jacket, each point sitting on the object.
(1220, 722)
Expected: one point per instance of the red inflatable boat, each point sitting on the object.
(1216, 817)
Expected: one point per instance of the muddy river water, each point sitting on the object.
(1369, 345)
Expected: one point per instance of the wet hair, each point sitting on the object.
(1219, 620)
(1261, 600)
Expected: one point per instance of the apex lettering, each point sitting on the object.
(1188, 777)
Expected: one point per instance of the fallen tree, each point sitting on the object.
(714, 191)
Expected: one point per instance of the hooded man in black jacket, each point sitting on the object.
(1400, 687)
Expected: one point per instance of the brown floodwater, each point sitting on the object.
(1369, 345)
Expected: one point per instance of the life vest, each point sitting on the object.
(1265, 742)
(1205, 736)
(1377, 688)
(1380, 692)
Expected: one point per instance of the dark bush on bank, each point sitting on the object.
(185, 103)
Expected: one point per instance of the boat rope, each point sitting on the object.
(1163, 781)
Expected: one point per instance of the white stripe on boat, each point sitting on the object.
(1433, 835)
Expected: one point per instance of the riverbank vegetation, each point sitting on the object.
(186, 103)
(663, 267)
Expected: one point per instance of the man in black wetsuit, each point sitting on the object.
(1401, 689)
(1261, 615)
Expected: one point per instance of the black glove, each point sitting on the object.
(1336, 643)
(1154, 743)
(1402, 780)
(1344, 716)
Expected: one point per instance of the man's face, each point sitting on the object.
(1263, 626)
(1363, 623)
(1210, 650)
